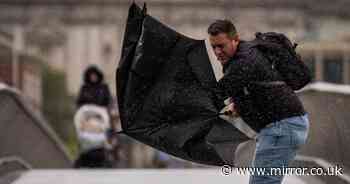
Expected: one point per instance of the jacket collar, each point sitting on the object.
(226, 65)
(231, 60)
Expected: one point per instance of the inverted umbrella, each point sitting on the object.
(165, 94)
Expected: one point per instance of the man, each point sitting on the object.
(259, 95)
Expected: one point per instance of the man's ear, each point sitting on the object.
(235, 39)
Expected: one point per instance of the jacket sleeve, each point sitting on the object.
(239, 74)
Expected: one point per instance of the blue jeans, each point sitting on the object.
(276, 146)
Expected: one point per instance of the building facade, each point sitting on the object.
(74, 34)
(21, 69)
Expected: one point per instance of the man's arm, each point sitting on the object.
(237, 77)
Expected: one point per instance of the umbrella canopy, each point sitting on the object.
(165, 93)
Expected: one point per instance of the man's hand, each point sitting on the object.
(231, 110)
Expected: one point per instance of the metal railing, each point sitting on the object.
(16, 160)
(11, 166)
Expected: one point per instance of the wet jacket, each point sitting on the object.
(247, 79)
(94, 93)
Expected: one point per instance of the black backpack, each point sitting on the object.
(280, 51)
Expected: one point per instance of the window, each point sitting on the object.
(333, 69)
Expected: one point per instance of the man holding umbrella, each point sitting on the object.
(261, 97)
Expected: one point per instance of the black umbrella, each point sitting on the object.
(165, 93)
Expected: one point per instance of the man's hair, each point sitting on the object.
(222, 26)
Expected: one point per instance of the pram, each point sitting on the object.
(91, 124)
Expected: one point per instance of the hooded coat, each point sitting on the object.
(95, 93)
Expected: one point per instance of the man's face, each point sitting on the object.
(224, 46)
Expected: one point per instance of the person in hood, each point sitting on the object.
(273, 110)
(94, 91)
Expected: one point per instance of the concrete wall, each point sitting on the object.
(23, 134)
(329, 135)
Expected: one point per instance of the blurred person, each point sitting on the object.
(94, 94)
(94, 90)
(258, 94)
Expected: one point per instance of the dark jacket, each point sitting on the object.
(247, 78)
(94, 93)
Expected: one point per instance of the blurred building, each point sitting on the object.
(20, 69)
(73, 34)
(76, 33)
(27, 141)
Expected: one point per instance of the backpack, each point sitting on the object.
(280, 51)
